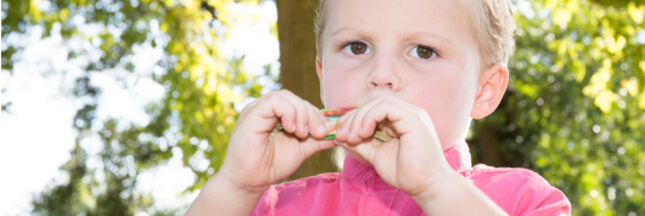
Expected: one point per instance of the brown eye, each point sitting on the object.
(423, 52)
(357, 48)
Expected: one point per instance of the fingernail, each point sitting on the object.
(294, 127)
(307, 129)
(339, 128)
(322, 129)
(336, 142)
(328, 125)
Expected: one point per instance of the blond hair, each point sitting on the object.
(492, 21)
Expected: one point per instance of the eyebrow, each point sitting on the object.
(426, 34)
(406, 36)
(345, 29)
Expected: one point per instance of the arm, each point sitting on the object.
(413, 160)
(237, 200)
(258, 155)
(455, 195)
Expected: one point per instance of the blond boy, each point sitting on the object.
(421, 71)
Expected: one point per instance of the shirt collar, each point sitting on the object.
(458, 156)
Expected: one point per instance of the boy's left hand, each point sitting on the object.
(412, 161)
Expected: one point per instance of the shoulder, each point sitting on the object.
(506, 175)
(520, 191)
(298, 195)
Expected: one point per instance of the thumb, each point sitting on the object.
(312, 146)
(368, 151)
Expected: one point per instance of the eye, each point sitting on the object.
(356, 48)
(423, 52)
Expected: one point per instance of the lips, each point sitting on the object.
(332, 115)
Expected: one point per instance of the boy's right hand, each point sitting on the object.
(259, 154)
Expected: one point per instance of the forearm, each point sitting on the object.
(455, 195)
(221, 197)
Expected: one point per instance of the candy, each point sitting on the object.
(333, 115)
(337, 111)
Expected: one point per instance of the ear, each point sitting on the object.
(319, 70)
(492, 85)
(320, 78)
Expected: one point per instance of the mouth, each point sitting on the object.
(333, 115)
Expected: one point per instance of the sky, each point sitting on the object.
(36, 135)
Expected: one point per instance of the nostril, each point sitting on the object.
(389, 85)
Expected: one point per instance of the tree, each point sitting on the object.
(198, 105)
(574, 108)
(574, 111)
(297, 72)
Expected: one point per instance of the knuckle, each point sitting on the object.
(285, 92)
(271, 96)
(248, 108)
(420, 113)
(274, 95)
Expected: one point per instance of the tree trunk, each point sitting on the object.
(298, 70)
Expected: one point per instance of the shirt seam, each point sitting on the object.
(390, 203)
(512, 197)
(361, 201)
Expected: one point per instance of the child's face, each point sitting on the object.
(377, 47)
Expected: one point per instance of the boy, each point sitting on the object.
(421, 71)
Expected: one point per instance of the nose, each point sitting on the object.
(384, 74)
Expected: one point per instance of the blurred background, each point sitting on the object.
(125, 107)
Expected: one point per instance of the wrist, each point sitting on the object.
(222, 195)
(437, 184)
(225, 179)
(453, 194)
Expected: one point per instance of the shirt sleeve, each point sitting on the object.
(535, 196)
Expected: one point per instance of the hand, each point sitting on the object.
(259, 154)
(412, 161)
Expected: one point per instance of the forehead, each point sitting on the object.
(443, 18)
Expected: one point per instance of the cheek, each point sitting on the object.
(448, 98)
(439, 95)
(342, 83)
(445, 88)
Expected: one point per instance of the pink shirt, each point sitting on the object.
(360, 191)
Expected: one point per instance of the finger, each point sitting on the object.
(353, 126)
(318, 123)
(302, 121)
(390, 113)
(264, 119)
(364, 126)
(312, 146)
(367, 150)
(287, 113)
(300, 112)
(344, 123)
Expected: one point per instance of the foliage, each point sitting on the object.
(574, 111)
(195, 116)
(575, 108)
